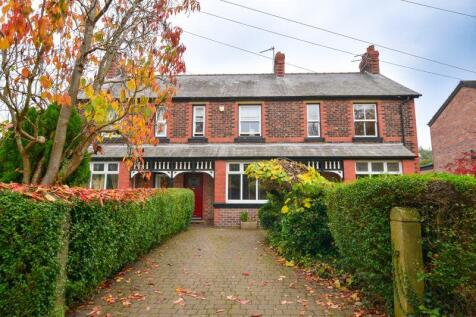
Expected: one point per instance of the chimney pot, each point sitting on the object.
(370, 61)
(279, 64)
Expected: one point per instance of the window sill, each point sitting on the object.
(163, 139)
(198, 139)
(367, 139)
(239, 205)
(249, 139)
(314, 139)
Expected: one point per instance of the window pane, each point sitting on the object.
(359, 128)
(234, 186)
(370, 112)
(199, 128)
(313, 129)
(250, 127)
(161, 181)
(250, 113)
(234, 167)
(359, 112)
(98, 167)
(111, 181)
(312, 112)
(362, 167)
(113, 167)
(199, 110)
(393, 167)
(261, 192)
(97, 181)
(370, 128)
(160, 123)
(377, 167)
(249, 189)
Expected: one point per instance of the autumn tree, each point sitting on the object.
(61, 51)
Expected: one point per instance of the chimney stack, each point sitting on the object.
(279, 64)
(370, 61)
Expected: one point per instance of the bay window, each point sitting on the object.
(104, 175)
(365, 120)
(250, 120)
(373, 168)
(240, 188)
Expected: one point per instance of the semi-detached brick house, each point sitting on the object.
(453, 127)
(346, 125)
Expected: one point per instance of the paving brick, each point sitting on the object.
(210, 262)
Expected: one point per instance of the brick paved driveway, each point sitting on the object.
(210, 272)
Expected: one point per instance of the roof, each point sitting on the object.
(268, 150)
(463, 83)
(426, 167)
(292, 85)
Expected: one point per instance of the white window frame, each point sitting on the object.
(313, 121)
(194, 127)
(242, 173)
(385, 171)
(366, 120)
(105, 172)
(241, 133)
(163, 122)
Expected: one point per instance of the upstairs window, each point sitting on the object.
(365, 120)
(374, 168)
(104, 175)
(160, 122)
(250, 120)
(199, 120)
(313, 121)
(241, 189)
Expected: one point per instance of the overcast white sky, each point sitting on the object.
(439, 35)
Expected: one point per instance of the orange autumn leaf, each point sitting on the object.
(45, 82)
(4, 44)
(25, 72)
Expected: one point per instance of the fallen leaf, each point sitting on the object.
(219, 311)
(180, 301)
(245, 274)
(95, 312)
(126, 303)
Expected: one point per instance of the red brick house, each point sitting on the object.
(453, 127)
(346, 125)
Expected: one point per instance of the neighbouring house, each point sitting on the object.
(453, 127)
(346, 125)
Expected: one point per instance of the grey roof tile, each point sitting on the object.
(291, 85)
(269, 150)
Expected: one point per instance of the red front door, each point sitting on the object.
(195, 183)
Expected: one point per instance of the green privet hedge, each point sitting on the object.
(29, 244)
(359, 221)
(103, 237)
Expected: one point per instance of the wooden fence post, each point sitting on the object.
(405, 226)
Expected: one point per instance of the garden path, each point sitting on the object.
(206, 271)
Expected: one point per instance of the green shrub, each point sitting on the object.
(359, 221)
(244, 216)
(103, 238)
(29, 244)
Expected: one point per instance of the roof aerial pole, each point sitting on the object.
(272, 61)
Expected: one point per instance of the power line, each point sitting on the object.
(440, 9)
(246, 51)
(324, 46)
(348, 36)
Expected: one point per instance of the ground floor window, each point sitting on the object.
(104, 175)
(162, 181)
(372, 168)
(240, 188)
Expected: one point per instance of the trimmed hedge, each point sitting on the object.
(102, 239)
(359, 221)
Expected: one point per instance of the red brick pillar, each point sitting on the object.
(349, 170)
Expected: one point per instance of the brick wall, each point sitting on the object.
(124, 176)
(208, 192)
(284, 119)
(454, 132)
(230, 217)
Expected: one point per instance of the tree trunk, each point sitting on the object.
(56, 157)
(25, 159)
